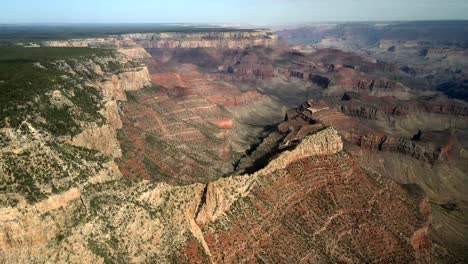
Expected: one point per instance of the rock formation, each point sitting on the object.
(188, 137)
(229, 40)
(130, 44)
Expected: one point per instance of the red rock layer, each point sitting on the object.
(178, 132)
(353, 80)
(171, 137)
(195, 83)
(321, 210)
(371, 107)
(366, 136)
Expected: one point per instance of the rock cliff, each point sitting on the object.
(131, 44)
(45, 164)
(121, 76)
(236, 211)
(228, 40)
(220, 195)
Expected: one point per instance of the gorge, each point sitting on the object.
(226, 146)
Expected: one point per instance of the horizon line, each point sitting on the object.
(229, 23)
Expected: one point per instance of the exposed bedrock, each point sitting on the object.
(323, 143)
(206, 186)
(302, 207)
(302, 196)
(369, 84)
(136, 53)
(129, 43)
(113, 87)
(205, 40)
(135, 79)
(372, 107)
(394, 144)
(365, 135)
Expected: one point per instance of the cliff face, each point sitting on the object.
(46, 164)
(113, 86)
(103, 139)
(355, 125)
(228, 40)
(136, 53)
(372, 107)
(220, 195)
(251, 216)
(135, 79)
(130, 44)
(395, 144)
(417, 146)
(129, 80)
(298, 199)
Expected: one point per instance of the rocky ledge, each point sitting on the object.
(172, 40)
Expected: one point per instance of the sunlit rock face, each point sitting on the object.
(131, 44)
(313, 193)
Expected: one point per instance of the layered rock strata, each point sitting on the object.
(129, 44)
(207, 224)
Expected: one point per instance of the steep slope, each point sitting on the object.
(176, 40)
(58, 136)
(424, 146)
(59, 117)
(192, 118)
(304, 213)
(103, 221)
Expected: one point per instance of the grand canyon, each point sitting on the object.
(324, 143)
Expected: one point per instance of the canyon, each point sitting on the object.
(232, 147)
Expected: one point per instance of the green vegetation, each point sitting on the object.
(10, 34)
(59, 237)
(28, 76)
(6, 201)
(115, 66)
(35, 175)
(100, 249)
(17, 54)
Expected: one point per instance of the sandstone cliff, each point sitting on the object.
(136, 53)
(113, 85)
(205, 40)
(45, 163)
(220, 195)
(131, 44)
(236, 212)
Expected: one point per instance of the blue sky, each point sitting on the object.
(226, 11)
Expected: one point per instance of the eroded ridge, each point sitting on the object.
(314, 204)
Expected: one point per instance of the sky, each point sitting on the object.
(254, 12)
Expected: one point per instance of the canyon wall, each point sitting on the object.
(129, 43)
(205, 40)
(112, 86)
(221, 194)
(102, 220)
(44, 181)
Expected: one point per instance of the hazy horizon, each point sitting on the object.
(221, 23)
(256, 12)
